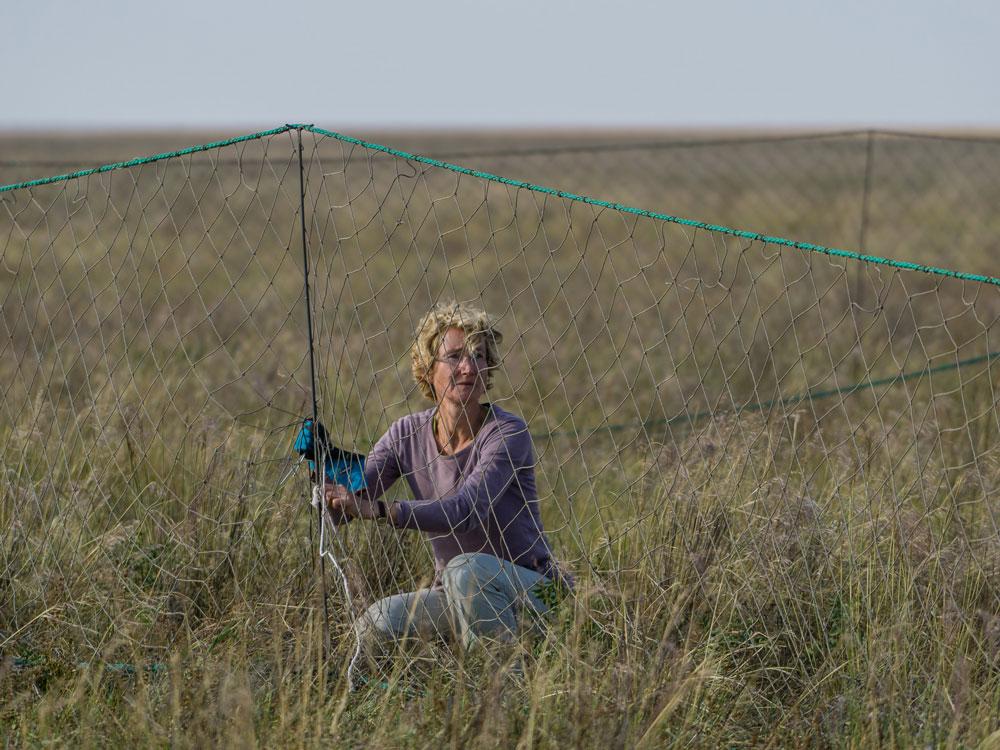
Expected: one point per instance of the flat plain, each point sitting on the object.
(772, 469)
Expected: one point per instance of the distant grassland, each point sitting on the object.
(910, 196)
(808, 572)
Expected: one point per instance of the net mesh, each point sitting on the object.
(926, 198)
(742, 436)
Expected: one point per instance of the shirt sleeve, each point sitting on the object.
(382, 467)
(504, 455)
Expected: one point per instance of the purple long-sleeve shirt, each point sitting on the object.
(481, 499)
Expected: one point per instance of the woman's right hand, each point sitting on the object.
(342, 504)
(345, 505)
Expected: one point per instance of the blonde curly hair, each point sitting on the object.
(479, 326)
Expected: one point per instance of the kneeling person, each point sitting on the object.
(470, 467)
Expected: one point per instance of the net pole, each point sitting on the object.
(866, 191)
(320, 460)
(866, 195)
(856, 290)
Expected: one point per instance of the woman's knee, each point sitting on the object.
(369, 627)
(418, 614)
(377, 623)
(468, 572)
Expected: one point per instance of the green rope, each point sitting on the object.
(810, 395)
(717, 228)
(148, 159)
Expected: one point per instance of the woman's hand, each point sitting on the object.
(345, 505)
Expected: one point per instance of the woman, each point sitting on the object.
(471, 469)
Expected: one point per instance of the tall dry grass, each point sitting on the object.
(736, 612)
(818, 572)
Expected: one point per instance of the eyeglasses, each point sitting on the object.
(453, 359)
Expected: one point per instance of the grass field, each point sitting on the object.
(757, 566)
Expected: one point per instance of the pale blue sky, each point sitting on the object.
(389, 63)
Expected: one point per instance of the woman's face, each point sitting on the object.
(459, 373)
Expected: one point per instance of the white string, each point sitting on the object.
(317, 502)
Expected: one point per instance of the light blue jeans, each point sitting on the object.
(480, 596)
